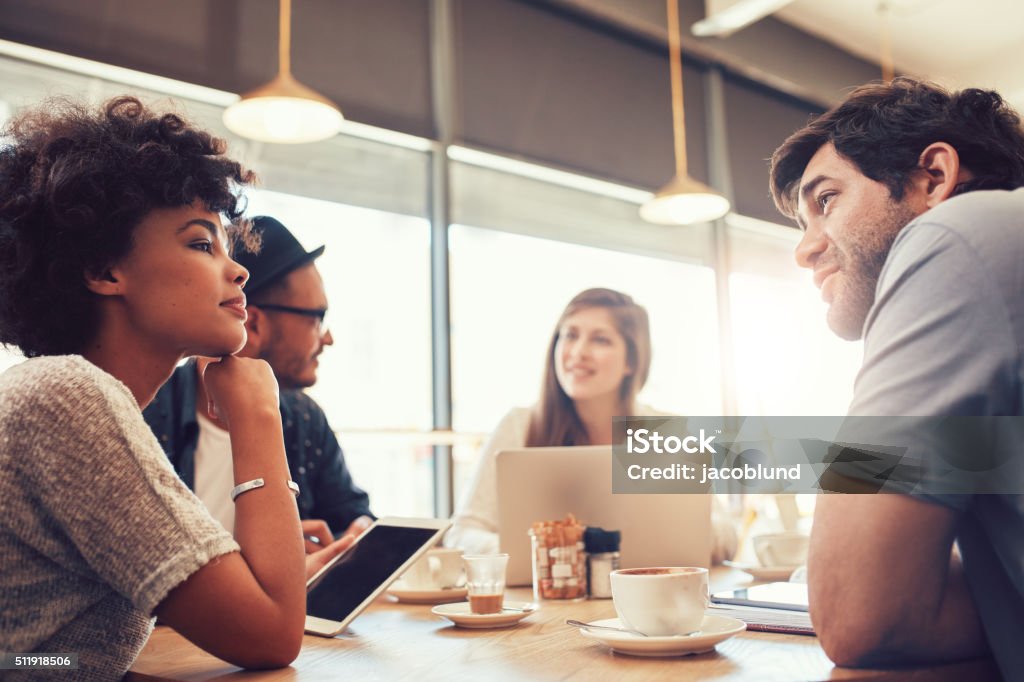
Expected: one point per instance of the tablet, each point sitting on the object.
(787, 596)
(348, 583)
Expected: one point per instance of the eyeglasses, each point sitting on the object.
(318, 313)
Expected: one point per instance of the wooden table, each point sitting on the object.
(392, 641)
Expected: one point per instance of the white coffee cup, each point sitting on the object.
(782, 549)
(661, 601)
(438, 569)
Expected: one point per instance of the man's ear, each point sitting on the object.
(256, 331)
(939, 173)
(104, 282)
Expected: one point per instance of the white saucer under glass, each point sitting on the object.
(512, 612)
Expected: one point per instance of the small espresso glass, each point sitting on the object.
(485, 582)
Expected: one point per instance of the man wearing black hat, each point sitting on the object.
(286, 305)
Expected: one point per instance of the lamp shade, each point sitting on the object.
(684, 201)
(284, 111)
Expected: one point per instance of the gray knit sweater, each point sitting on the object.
(95, 526)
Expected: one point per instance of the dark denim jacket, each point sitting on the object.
(314, 456)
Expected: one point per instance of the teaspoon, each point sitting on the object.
(588, 626)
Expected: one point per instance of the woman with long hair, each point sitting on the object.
(114, 266)
(597, 362)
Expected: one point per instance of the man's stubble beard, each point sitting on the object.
(270, 352)
(861, 264)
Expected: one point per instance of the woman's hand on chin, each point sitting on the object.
(240, 387)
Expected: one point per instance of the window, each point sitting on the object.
(788, 362)
(374, 383)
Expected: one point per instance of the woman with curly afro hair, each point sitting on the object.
(114, 266)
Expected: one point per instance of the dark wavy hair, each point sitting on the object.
(554, 420)
(883, 128)
(74, 184)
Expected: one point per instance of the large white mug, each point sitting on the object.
(438, 569)
(782, 549)
(661, 601)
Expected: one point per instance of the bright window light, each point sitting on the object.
(376, 378)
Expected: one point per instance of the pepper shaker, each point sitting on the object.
(602, 558)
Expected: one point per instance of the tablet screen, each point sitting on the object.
(363, 568)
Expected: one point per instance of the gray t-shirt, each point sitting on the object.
(945, 337)
(96, 528)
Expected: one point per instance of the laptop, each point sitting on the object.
(545, 484)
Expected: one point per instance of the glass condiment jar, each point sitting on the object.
(559, 560)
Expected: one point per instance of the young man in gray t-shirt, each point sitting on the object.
(929, 273)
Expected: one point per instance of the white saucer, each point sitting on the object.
(713, 629)
(461, 615)
(407, 595)
(773, 573)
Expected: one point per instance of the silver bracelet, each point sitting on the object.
(259, 483)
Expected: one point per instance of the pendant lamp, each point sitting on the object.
(284, 110)
(683, 201)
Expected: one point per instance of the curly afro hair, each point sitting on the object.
(74, 184)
